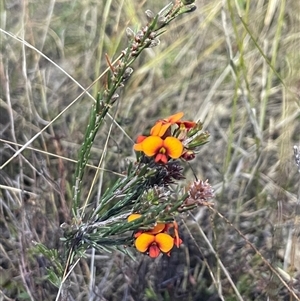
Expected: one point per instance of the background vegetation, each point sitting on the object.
(232, 64)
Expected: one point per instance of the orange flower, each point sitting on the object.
(159, 227)
(161, 126)
(133, 216)
(154, 244)
(140, 138)
(157, 239)
(161, 149)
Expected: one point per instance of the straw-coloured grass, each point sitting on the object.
(233, 65)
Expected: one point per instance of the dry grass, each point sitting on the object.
(240, 76)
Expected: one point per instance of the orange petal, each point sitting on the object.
(156, 128)
(168, 226)
(164, 241)
(174, 147)
(151, 145)
(144, 241)
(138, 233)
(161, 126)
(161, 158)
(140, 138)
(157, 229)
(133, 216)
(154, 251)
(175, 225)
(138, 147)
(174, 118)
(163, 129)
(177, 241)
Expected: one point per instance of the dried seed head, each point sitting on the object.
(200, 191)
(164, 174)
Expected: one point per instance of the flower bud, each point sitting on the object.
(154, 43)
(188, 9)
(134, 53)
(130, 34)
(161, 21)
(139, 36)
(145, 29)
(188, 155)
(198, 140)
(114, 98)
(152, 35)
(150, 15)
(127, 73)
(187, 2)
(195, 129)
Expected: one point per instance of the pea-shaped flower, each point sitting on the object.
(154, 244)
(161, 149)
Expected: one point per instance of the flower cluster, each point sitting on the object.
(172, 138)
(156, 240)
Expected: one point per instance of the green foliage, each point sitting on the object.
(233, 65)
(56, 268)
